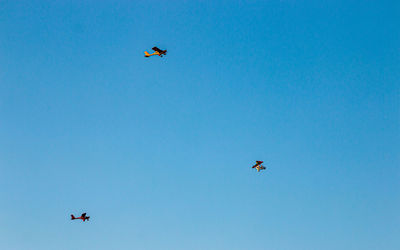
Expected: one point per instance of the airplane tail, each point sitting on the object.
(72, 217)
(146, 54)
(87, 218)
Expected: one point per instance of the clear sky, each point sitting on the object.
(158, 151)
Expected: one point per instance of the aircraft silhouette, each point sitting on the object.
(258, 166)
(157, 52)
(83, 217)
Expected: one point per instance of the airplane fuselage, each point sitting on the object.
(83, 218)
(259, 168)
(146, 54)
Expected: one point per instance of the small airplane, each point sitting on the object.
(157, 52)
(258, 166)
(83, 217)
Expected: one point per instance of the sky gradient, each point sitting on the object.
(158, 150)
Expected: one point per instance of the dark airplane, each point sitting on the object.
(83, 217)
(258, 166)
(157, 52)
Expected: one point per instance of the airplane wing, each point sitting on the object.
(83, 215)
(157, 49)
(258, 163)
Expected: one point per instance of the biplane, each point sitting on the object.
(83, 217)
(258, 166)
(157, 52)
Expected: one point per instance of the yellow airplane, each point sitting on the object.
(157, 52)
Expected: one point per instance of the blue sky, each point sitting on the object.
(158, 150)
